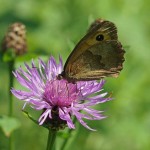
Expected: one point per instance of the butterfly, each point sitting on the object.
(97, 55)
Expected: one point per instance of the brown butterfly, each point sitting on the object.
(98, 54)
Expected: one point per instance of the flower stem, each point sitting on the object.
(51, 139)
(11, 67)
(10, 110)
(66, 141)
(69, 133)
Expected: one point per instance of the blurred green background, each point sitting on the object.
(55, 26)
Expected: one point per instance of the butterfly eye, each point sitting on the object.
(100, 37)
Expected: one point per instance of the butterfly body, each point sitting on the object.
(97, 55)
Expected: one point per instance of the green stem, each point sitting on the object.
(69, 133)
(11, 68)
(10, 142)
(66, 141)
(51, 139)
(10, 110)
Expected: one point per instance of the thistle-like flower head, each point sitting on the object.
(58, 99)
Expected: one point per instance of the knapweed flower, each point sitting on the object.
(58, 99)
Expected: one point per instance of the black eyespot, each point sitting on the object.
(100, 37)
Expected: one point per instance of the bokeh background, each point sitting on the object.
(54, 27)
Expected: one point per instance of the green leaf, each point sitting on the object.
(9, 124)
(9, 55)
(26, 57)
(35, 121)
(30, 55)
(30, 117)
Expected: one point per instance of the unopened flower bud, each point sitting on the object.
(15, 39)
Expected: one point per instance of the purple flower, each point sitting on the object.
(54, 96)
